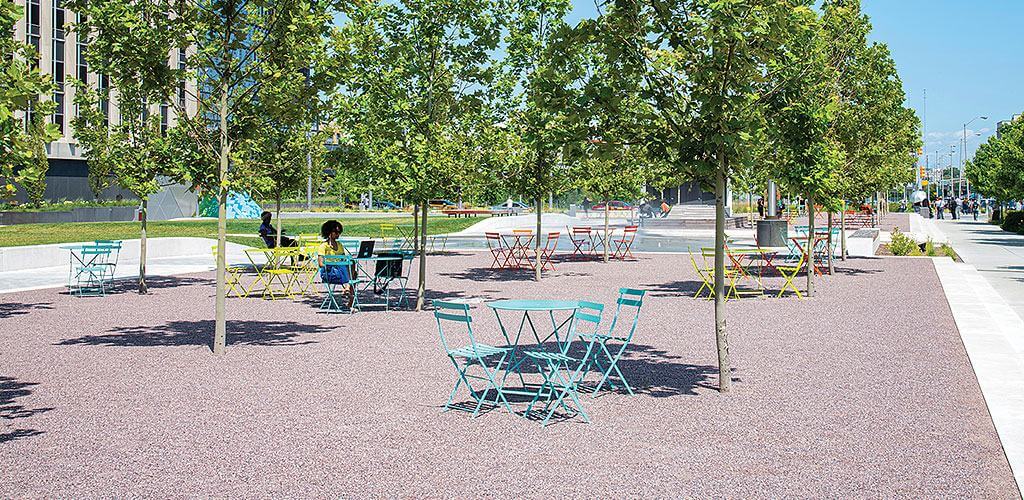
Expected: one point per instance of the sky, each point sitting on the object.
(967, 55)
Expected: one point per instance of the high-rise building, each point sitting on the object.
(61, 54)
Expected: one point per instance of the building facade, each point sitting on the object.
(61, 54)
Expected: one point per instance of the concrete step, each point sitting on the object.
(692, 223)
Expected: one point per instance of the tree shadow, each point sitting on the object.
(200, 333)
(10, 390)
(120, 286)
(1008, 242)
(8, 309)
(681, 288)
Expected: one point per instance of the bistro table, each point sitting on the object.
(518, 248)
(562, 331)
(379, 277)
(815, 263)
(85, 260)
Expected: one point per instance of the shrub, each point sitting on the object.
(929, 248)
(902, 244)
(948, 251)
(1013, 221)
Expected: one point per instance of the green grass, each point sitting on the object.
(40, 234)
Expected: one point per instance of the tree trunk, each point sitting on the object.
(277, 238)
(536, 239)
(142, 248)
(415, 227)
(809, 249)
(842, 233)
(421, 289)
(721, 338)
(220, 328)
(607, 203)
(831, 268)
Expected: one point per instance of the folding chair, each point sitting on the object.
(330, 302)
(111, 261)
(706, 271)
(90, 279)
(789, 273)
(580, 237)
(623, 244)
(544, 259)
(233, 276)
(467, 356)
(386, 228)
(632, 300)
(560, 381)
(499, 251)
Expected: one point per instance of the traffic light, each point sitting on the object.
(922, 172)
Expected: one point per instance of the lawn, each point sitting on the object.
(39, 234)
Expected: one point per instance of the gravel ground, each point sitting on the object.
(840, 395)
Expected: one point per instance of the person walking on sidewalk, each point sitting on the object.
(940, 208)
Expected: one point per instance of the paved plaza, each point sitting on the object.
(863, 390)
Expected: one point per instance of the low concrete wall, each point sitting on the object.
(84, 214)
(42, 256)
(863, 243)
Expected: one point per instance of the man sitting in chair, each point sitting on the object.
(269, 234)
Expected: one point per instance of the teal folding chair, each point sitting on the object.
(110, 263)
(560, 382)
(469, 355)
(90, 279)
(330, 302)
(612, 346)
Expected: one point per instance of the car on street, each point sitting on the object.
(441, 204)
(384, 205)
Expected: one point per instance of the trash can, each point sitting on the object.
(572, 210)
(772, 232)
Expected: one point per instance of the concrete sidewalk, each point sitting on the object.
(986, 296)
(996, 254)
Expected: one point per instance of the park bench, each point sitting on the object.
(469, 212)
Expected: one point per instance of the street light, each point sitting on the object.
(963, 153)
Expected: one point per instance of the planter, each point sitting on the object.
(84, 214)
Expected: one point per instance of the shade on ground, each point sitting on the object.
(865, 389)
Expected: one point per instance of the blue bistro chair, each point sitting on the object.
(465, 356)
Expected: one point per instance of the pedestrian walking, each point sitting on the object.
(760, 207)
(940, 208)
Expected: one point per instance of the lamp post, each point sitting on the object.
(952, 148)
(963, 151)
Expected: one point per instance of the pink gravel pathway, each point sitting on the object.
(864, 390)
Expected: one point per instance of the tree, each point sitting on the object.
(237, 49)
(608, 171)
(538, 83)
(21, 84)
(997, 169)
(704, 65)
(417, 77)
(800, 107)
(130, 43)
(874, 128)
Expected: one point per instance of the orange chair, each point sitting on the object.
(623, 244)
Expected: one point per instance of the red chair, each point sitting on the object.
(623, 244)
(580, 237)
(549, 249)
(498, 250)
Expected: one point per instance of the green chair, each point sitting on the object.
(111, 261)
(611, 345)
(474, 353)
(330, 302)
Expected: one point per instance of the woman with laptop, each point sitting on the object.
(330, 231)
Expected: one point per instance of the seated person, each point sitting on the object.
(330, 231)
(269, 234)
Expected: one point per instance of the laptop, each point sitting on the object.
(365, 249)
